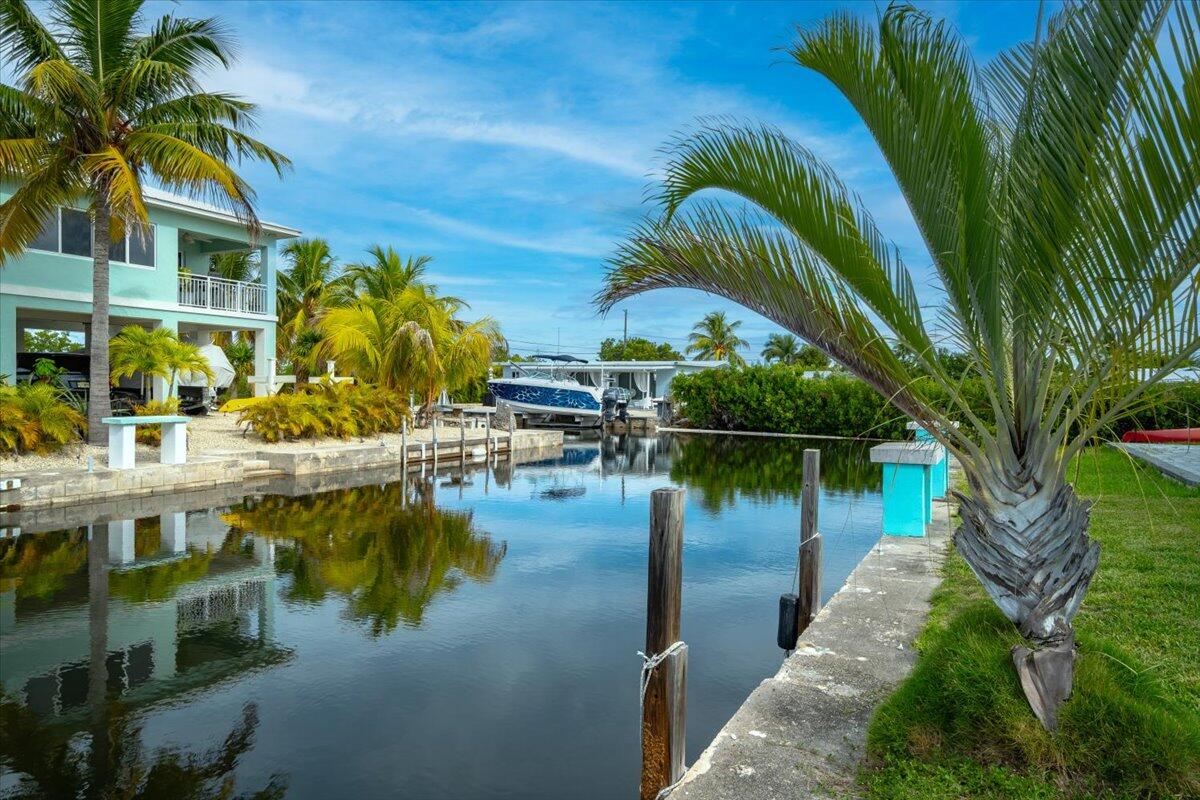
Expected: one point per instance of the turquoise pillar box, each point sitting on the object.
(907, 485)
(940, 477)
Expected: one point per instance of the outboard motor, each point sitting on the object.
(614, 403)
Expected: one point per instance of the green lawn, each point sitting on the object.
(959, 727)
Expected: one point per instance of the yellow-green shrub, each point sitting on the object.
(34, 418)
(339, 410)
(152, 434)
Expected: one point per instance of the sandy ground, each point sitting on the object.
(215, 432)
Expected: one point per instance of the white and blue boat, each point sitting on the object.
(532, 391)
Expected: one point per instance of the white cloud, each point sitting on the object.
(576, 242)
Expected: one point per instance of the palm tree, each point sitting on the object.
(241, 357)
(138, 351)
(781, 348)
(236, 265)
(398, 332)
(185, 358)
(98, 107)
(386, 273)
(715, 338)
(1058, 191)
(310, 285)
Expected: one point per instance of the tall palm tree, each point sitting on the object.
(715, 338)
(386, 273)
(1058, 191)
(311, 283)
(98, 107)
(781, 348)
(236, 265)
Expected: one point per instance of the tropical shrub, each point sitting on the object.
(339, 410)
(152, 434)
(779, 399)
(34, 418)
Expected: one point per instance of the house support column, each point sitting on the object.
(264, 361)
(8, 339)
(159, 387)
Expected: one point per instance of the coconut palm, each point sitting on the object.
(400, 333)
(781, 348)
(715, 338)
(99, 106)
(236, 265)
(309, 285)
(1058, 192)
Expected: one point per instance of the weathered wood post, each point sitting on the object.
(487, 434)
(664, 688)
(462, 436)
(404, 445)
(810, 543)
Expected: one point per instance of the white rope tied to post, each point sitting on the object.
(649, 663)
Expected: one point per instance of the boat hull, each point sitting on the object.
(545, 398)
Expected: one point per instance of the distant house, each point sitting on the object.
(649, 382)
(158, 278)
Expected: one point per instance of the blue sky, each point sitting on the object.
(514, 143)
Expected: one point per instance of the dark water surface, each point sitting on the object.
(452, 636)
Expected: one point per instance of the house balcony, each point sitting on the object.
(221, 294)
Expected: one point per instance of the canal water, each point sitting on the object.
(453, 635)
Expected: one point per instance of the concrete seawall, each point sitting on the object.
(57, 488)
(802, 732)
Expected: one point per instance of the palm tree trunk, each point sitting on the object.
(99, 405)
(1026, 540)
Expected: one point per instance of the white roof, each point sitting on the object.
(188, 205)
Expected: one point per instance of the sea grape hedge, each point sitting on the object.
(779, 399)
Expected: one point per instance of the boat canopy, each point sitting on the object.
(559, 357)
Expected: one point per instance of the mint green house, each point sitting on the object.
(160, 279)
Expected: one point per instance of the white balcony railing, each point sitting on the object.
(221, 294)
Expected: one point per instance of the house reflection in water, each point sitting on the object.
(170, 604)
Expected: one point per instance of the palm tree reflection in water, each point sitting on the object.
(387, 549)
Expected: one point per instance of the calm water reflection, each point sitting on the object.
(448, 636)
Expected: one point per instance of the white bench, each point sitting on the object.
(122, 441)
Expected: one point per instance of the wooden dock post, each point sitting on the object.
(487, 437)
(810, 543)
(664, 699)
(462, 436)
(404, 445)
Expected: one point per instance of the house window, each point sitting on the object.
(69, 231)
(47, 238)
(76, 232)
(141, 246)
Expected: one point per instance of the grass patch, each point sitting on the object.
(959, 726)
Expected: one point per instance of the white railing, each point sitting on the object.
(222, 294)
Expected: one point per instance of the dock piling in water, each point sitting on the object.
(810, 543)
(665, 676)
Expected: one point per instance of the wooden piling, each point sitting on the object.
(810, 543)
(664, 703)
(404, 445)
(462, 436)
(487, 438)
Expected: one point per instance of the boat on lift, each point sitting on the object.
(546, 396)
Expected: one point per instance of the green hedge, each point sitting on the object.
(779, 399)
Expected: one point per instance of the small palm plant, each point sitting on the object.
(1058, 191)
(138, 351)
(101, 103)
(715, 338)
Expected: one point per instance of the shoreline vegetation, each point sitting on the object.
(959, 727)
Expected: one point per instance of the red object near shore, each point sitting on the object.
(1169, 436)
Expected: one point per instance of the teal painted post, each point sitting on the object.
(940, 478)
(907, 486)
(8, 339)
